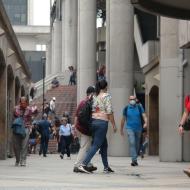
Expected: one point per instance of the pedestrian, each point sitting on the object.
(20, 144)
(72, 78)
(44, 127)
(133, 114)
(83, 133)
(55, 82)
(52, 105)
(65, 138)
(102, 113)
(182, 122)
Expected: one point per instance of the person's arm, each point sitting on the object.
(122, 126)
(145, 120)
(183, 119)
(112, 120)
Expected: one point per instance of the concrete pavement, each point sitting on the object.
(52, 173)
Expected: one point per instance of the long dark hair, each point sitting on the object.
(101, 85)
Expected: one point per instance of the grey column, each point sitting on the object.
(57, 48)
(86, 68)
(170, 143)
(3, 115)
(48, 59)
(63, 34)
(71, 33)
(120, 52)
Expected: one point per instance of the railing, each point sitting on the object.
(148, 51)
(39, 85)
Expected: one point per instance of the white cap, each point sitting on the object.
(54, 98)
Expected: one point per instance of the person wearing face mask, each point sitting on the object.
(20, 145)
(132, 114)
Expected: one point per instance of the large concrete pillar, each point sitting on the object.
(63, 34)
(48, 59)
(70, 33)
(3, 114)
(170, 147)
(57, 47)
(86, 68)
(119, 64)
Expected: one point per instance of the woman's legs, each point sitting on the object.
(99, 129)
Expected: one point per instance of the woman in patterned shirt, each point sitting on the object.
(102, 113)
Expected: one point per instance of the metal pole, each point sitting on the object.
(43, 64)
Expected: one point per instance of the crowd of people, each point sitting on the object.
(90, 126)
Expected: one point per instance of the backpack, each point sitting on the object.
(85, 114)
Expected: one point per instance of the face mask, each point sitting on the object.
(132, 102)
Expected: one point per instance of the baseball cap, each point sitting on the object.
(54, 98)
(90, 89)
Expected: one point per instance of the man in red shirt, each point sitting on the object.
(21, 144)
(83, 133)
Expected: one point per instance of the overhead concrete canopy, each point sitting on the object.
(171, 8)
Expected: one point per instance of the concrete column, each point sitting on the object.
(48, 59)
(63, 35)
(57, 48)
(3, 116)
(120, 53)
(70, 33)
(30, 12)
(86, 68)
(170, 146)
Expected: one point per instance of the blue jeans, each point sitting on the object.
(99, 130)
(134, 143)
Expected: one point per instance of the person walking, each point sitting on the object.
(181, 125)
(20, 144)
(52, 105)
(133, 114)
(102, 113)
(44, 127)
(65, 138)
(83, 132)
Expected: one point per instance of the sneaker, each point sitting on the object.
(187, 172)
(23, 163)
(92, 168)
(76, 170)
(68, 158)
(134, 163)
(61, 156)
(108, 170)
(16, 164)
(83, 169)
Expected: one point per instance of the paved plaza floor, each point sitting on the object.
(52, 173)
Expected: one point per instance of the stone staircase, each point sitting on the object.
(66, 100)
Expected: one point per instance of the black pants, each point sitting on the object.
(44, 145)
(65, 142)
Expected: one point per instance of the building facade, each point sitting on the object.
(33, 39)
(15, 80)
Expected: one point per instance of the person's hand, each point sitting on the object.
(121, 132)
(145, 125)
(181, 130)
(114, 129)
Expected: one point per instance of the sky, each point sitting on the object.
(41, 12)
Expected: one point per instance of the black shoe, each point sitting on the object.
(76, 170)
(92, 168)
(84, 169)
(44, 155)
(61, 156)
(134, 163)
(108, 170)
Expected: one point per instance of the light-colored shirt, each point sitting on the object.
(65, 130)
(102, 104)
(52, 105)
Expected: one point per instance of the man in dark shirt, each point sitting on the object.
(44, 129)
(83, 133)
